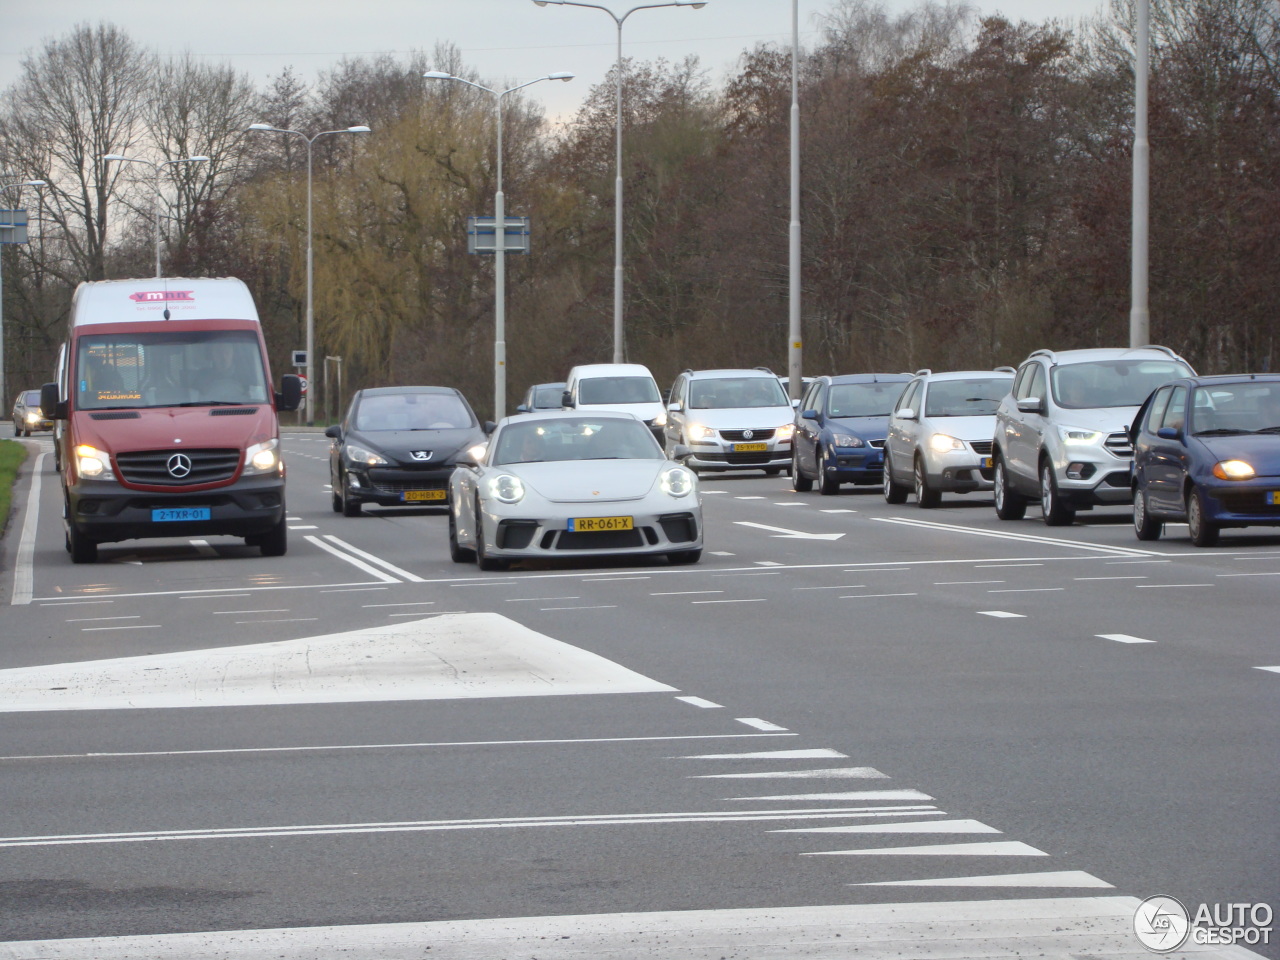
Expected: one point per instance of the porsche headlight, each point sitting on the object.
(93, 463)
(262, 457)
(697, 431)
(363, 455)
(785, 432)
(506, 488)
(1233, 470)
(677, 482)
(942, 443)
(1078, 436)
(846, 440)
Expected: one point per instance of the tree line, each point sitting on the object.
(965, 198)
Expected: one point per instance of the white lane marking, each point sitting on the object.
(351, 590)
(705, 492)
(1020, 537)
(769, 563)
(1066, 879)
(429, 613)
(923, 826)
(1004, 566)
(961, 583)
(1266, 573)
(704, 704)
(421, 826)
(1168, 586)
(293, 518)
(241, 623)
(136, 616)
(1110, 578)
(1097, 925)
(306, 526)
(1027, 590)
(748, 498)
(873, 596)
(505, 582)
(24, 563)
(216, 596)
(1112, 563)
(1121, 638)
(1002, 614)
(69, 603)
(854, 795)
(845, 586)
(683, 593)
(605, 606)
(406, 603)
(749, 573)
(520, 600)
(839, 510)
(877, 568)
(477, 655)
(204, 549)
(404, 574)
(1271, 669)
(354, 561)
(611, 579)
(783, 533)
(340, 747)
(759, 724)
(750, 600)
(223, 613)
(814, 754)
(721, 553)
(833, 773)
(132, 626)
(789, 503)
(993, 848)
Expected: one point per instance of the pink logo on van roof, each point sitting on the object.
(161, 296)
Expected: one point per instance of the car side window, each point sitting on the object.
(908, 398)
(810, 398)
(1022, 383)
(1036, 386)
(1158, 405)
(677, 391)
(817, 397)
(1175, 415)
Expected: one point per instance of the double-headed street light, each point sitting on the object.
(618, 341)
(311, 325)
(499, 241)
(155, 168)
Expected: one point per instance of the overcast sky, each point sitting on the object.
(506, 41)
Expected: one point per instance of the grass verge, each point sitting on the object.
(11, 456)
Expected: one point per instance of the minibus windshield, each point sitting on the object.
(191, 368)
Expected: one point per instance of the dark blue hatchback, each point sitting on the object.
(841, 424)
(1207, 450)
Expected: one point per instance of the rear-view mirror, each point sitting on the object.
(49, 403)
(334, 432)
(1031, 405)
(290, 395)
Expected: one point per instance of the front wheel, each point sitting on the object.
(1145, 526)
(457, 552)
(894, 492)
(1204, 532)
(275, 542)
(1009, 505)
(350, 505)
(81, 548)
(1056, 513)
(926, 496)
(799, 482)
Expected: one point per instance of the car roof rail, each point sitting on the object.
(1043, 353)
(1164, 350)
(1005, 370)
(923, 372)
(765, 369)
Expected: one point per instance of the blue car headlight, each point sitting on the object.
(846, 440)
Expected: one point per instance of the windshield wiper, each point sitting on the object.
(1221, 432)
(212, 403)
(1275, 429)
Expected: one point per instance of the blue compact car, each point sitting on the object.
(841, 424)
(1207, 450)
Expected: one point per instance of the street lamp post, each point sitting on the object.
(1139, 310)
(794, 343)
(499, 241)
(155, 169)
(5, 187)
(311, 324)
(618, 342)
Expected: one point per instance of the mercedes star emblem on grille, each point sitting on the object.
(179, 466)
(420, 455)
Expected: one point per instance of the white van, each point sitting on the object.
(620, 388)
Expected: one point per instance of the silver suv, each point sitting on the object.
(940, 434)
(1062, 434)
(730, 420)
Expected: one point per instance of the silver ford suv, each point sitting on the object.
(1062, 433)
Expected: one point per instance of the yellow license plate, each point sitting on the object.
(750, 447)
(988, 462)
(417, 495)
(600, 524)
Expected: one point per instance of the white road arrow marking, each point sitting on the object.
(783, 532)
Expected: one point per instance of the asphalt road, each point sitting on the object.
(845, 704)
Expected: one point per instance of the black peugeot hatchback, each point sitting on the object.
(397, 446)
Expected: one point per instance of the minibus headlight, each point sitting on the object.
(262, 457)
(93, 464)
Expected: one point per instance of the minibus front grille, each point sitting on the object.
(178, 468)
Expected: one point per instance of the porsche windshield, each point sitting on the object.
(186, 369)
(587, 438)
